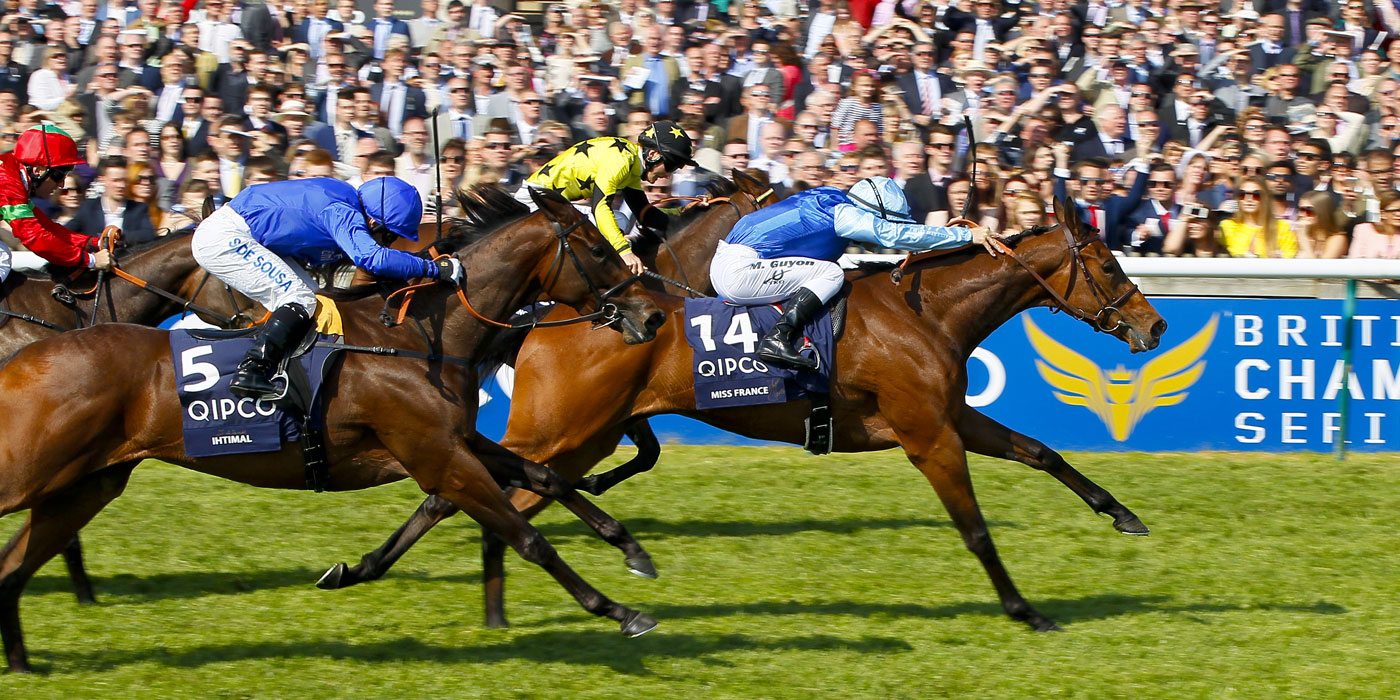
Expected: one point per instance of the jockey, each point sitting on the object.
(790, 249)
(256, 242)
(43, 157)
(606, 166)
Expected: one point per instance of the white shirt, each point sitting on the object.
(169, 100)
(47, 89)
(1111, 146)
(461, 124)
(112, 217)
(392, 100)
(215, 38)
(483, 20)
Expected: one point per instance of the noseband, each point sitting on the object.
(1109, 310)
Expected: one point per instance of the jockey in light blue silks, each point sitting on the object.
(790, 250)
(258, 242)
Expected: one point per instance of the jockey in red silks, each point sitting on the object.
(42, 158)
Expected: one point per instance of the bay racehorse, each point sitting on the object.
(688, 256)
(385, 419)
(901, 381)
(34, 306)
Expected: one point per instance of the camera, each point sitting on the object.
(1194, 211)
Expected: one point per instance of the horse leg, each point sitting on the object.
(985, 436)
(506, 465)
(479, 497)
(77, 573)
(648, 452)
(943, 461)
(375, 564)
(51, 526)
(493, 578)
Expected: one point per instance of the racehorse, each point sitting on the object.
(32, 308)
(385, 419)
(901, 381)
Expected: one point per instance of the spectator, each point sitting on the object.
(170, 165)
(862, 105)
(415, 165)
(1319, 226)
(114, 207)
(1382, 238)
(70, 195)
(141, 183)
(1253, 231)
(51, 85)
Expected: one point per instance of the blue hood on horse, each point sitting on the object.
(394, 203)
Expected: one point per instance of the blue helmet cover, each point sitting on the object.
(882, 197)
(394, 203)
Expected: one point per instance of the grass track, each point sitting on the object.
(782, 576)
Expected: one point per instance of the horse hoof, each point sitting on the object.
(1044, 624)
(331, 580)
(497, 623)
(637, 624)
(1130, 525)
(642, 566)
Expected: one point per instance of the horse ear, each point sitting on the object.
(1068, 216)
(553, 205)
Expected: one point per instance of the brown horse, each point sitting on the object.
(31, 310)
(688, 256)
(65, 460)
(943, 308)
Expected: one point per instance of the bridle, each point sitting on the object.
(1108, 306)
(605, 314)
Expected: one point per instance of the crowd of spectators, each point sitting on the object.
(1243, 128)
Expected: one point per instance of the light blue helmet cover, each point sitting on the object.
(882, 197)
(394, 203)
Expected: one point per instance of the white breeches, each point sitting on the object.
(741, 276)
(21, 260)
(224, 245)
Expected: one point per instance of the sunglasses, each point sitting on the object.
(930, 53)
(850, 168)
(760, 94)
(1041, 75)
(1142, 94)
(67, 190)
(1327, 115)
(1154, 125)
(146, 179)
(1252, 169)
(1275, 177)
(1160, 183)
(1251, 194)
(1306, 211)
(941, 146)
(1309, 156)
(454, 159)
(1092, 180)
(498, 145)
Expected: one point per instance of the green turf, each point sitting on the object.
(782, 576)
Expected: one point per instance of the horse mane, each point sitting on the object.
(486, 208)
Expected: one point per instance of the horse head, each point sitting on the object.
(1096, 289)
(602, 280)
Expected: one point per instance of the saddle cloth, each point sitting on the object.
(218, 423)
(724, 339)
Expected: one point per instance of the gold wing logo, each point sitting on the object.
(1121, 397)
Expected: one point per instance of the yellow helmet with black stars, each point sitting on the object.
(671, 141)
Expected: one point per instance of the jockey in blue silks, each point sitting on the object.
(790, 249)
(259, 241)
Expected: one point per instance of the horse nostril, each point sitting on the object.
(655, 320)
(1158, 329)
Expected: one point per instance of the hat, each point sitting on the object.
(1191, 5)
(294, 109)
(236, 132)
(484, 60)
(297, 47)
(975, 67)
(594, 78)
(1246, 13)
(1318, 22)
(1186, 50)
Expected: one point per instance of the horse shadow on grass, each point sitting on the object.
(653, 529)
(578, 648)
(1066, 611)
(133, 588)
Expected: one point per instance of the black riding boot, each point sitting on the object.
(253, 379)
(777, 345)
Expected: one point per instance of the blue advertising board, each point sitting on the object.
(1230, 374)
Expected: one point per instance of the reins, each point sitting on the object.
(1107, 309)
(684, 284)
(606, 311)
(108, 241)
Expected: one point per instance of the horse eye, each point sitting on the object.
(599, 251)
(1107, 267)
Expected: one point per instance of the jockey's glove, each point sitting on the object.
(449, 271)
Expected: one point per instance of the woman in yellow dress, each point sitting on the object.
(1254, 231)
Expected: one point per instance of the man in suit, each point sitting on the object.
(384, 25)
(924, 87)
(259, 27)
(723, 91)
(455, 119)
(648, 76)
(763, 71)
(1111, 139)
(398, 101)
(300, 124)
(1147, 225)
(986, 23)
(1097, 207)
(1271, 51)
(260, 115)
(758, 103)
(230, 81)
(200, 112)
(313, 30)
(422, 26)
(169, 100)
(113, 208)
